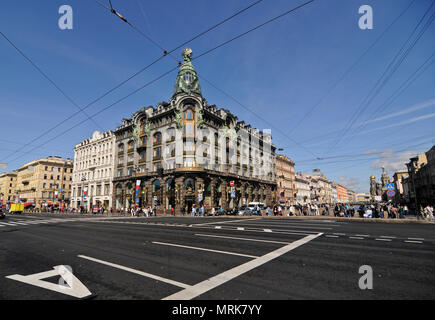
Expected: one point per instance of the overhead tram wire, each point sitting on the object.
(132, 76)
(48, 78)
(405, 85)
(386, 75)
(346, 73)
(411, 79)
(225, 43)
(138, 89)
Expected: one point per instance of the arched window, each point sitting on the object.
(188, 114)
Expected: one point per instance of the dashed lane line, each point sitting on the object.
(204, 249)
(238, 238)
(220, 222)
(357, 238)
(413, 241)
(382, 239)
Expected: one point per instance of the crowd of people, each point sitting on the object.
(376, 210)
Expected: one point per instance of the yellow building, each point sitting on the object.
(45, 181)
(8, 181)
(285, 179)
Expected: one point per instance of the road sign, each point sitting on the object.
(390, 186)
(391, 193)
(232, 183)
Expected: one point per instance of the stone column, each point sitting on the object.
(268, 196)
(198, 185)
(224, 193)
(149, 187)
(179, 182)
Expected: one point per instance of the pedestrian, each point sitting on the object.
(182, 210)
(291, 211)
(173, 211)
(213, 211)
(429, 212)
(193, 211)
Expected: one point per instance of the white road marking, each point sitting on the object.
(383, 239)
(217, 227)
(226, 221)
(205, 249)
(237, 238)
(388, 237)
(412, 241)
(213, 282)
(284, 225)
(357, 238)
(141, 273)
(9, 224)
(362, 235)
(339, 234)
(76, 287)
(416, 239)
(240, 228)
(330, 236)
(267, 230)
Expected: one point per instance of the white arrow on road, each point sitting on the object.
(75, 287)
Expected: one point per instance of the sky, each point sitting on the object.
(313, 77)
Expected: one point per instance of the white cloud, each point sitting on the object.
(350, 183)
(393, 161)
(426, 104)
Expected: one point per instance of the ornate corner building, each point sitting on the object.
(186, 153)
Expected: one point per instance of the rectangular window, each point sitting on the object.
(189, 162)
(170, 164)
(189, 130)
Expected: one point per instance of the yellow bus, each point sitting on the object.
(16, 208)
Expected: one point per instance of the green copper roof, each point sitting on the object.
(187, 79)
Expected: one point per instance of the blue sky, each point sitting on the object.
(279, 72)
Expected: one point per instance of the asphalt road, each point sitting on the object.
(215, 258)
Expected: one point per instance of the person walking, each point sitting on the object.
(429, 212)
(193, 211)
(213, 211)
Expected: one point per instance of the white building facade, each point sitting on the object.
(93, 171)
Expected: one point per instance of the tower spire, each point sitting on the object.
(187, 79)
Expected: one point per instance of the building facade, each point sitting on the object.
(94, 166)
(303, 190)
(186, 152)
(45, 181)
(8, 182)
(285, 180)
(324, 187)
(398, 179)
(421, 178)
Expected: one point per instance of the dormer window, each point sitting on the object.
(188, 78)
